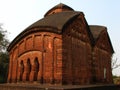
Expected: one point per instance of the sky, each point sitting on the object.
(16, 15)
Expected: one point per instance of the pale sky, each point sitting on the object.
(16, 15)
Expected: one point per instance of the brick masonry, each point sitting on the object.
(71, 57)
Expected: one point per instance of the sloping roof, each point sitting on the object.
(61, 6)
(96, 30)
(56, 21)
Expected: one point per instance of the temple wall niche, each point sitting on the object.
(38, 42)
(29, 43)
(21, 47)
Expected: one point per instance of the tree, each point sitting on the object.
(3, 40)
(4, 57)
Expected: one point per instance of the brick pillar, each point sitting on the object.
(25, 72)
(40, 61)
(27, 69)
(33, 72)
(40, 69)
(39, 77)
(36, 68)
(20, 71)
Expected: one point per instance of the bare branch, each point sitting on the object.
(114, 64)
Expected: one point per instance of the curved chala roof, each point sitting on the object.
(56, 21)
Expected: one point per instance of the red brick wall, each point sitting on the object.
(69, 58)
(102, 60)
(44, 46)
(58, 60)
(76, 54)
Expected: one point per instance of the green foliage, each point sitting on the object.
(4, 57)
(3, 40)
(115, 76)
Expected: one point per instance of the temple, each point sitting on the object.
(61, 48)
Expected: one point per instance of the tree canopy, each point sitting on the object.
(4, 58)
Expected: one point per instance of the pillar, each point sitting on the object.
(34, 70)
(20, 71)
(27, 69)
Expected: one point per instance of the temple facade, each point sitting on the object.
(61, 48)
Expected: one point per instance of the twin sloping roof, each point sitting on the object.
(58, 21)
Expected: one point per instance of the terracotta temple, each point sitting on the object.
(61, 48)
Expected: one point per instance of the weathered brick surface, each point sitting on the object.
(77, 52)
(48, 59)
(70, 57)
(102, 59)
